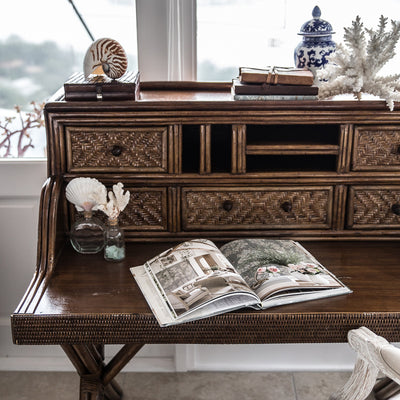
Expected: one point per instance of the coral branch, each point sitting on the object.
(118, 200)
(353, 68)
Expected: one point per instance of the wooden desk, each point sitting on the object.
(185, 155)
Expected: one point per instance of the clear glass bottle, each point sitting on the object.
(87, 234)
(114, 248)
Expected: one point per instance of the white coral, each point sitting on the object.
(353, 69)
(118, 200)
(86, 193)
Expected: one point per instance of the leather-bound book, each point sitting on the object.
(276, 75)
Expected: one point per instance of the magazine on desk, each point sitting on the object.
(196, 279)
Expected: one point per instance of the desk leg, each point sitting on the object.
(97, 378)
(386, 389)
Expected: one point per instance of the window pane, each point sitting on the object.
(41, 45)
(257, 33)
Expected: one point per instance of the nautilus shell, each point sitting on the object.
(105, 56)
(86, 193)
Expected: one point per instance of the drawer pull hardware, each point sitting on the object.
(227, 205)
(116, 150)
(396, 209)
(395, 149)
(286, 206)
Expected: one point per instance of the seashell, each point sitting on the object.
(105, 56)
(86, 193)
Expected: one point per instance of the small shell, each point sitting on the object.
(86, 193)
(105, 56)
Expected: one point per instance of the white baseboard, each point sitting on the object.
(274, 357)
(234, 360)
(62, 364)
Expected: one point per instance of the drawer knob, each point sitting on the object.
(396, 209)
(227, 205)
(116, 150)
(286, 206)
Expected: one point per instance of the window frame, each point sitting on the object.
(166, 35)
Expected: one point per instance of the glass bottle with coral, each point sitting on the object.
(87, 233)
(114, 248)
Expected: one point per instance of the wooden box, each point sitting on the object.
(101, 88)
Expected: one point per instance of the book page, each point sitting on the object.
(190, 275)
(278, 267)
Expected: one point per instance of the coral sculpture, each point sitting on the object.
(353, 68)
(118, 200)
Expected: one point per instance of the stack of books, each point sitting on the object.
(274, 83)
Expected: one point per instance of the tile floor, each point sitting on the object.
(180, 386)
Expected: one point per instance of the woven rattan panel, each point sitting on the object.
(232, 328)
(146, 210)
(255, 208)
(134, 149)
(372, 207)
(377, 148)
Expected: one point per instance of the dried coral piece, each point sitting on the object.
(118, 200)
(353, 68)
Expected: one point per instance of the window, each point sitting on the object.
(257, 33)
(41, 45)
(177, 40)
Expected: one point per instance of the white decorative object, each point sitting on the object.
(118, 200)
(374, 355)
(86, 193)
(353, 67)
(105, 56)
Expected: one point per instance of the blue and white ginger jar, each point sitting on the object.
(317, 43)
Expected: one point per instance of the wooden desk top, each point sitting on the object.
(209, 97)
(89, 300)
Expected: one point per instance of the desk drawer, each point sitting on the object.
(257, 208)
(374, 207)
(147, 210)
(376, 148)
(128, 149)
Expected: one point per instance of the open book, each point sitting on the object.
(195, 279)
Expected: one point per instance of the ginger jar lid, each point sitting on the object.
(316, 27)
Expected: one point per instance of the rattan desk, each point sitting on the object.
(324, 188)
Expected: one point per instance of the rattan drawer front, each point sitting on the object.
(127, 149)
(376, 148)
(146, 210)
(256, 208)
(374, 207)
